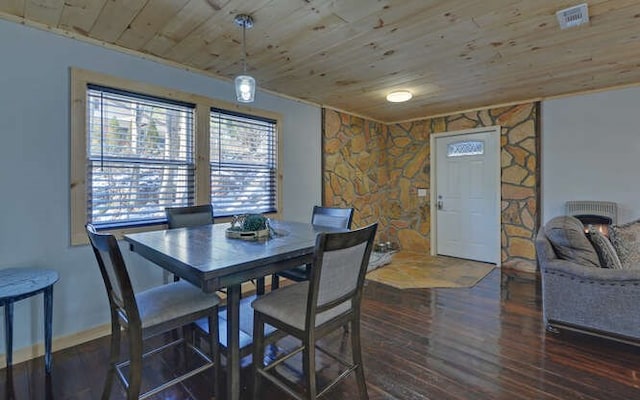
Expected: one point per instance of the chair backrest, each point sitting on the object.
(338, 271)
(115, 276)
(334, 217)
(181, 217)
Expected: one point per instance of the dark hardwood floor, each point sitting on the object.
(487, 342)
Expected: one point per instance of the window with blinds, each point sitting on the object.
(243, 163)
(139, 157)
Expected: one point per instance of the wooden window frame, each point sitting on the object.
(81, 78)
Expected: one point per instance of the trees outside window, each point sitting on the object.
(139, 159)
(137, 149)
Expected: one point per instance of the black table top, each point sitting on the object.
(207, 258)
(19, 282)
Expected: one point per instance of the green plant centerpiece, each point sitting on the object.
(248, 227)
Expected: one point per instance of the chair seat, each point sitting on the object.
(173, 301)
(289, 305)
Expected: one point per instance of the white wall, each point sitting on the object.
(34, 168)
(591, 151)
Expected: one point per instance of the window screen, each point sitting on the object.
(139, 157)
(243, 163)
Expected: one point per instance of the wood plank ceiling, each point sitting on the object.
(454, 55)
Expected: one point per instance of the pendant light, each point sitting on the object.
(245, 84)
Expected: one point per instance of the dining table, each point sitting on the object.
(208, 258)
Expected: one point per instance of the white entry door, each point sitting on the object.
(467, 194)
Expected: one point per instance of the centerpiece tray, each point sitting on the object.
(246, 235)
(248, 227)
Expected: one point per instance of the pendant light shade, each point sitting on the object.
(245, 88)
(245, 84)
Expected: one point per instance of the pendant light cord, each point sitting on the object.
(244, 47)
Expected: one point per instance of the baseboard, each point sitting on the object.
(521, 266)
(59, 343)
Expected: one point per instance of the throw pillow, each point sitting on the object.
(605, 250)
(570, 242)
(626, 240)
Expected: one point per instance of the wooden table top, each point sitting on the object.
(207, 258)
(19, 282)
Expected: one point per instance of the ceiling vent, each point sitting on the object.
(573, 16)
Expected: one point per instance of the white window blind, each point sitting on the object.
(139, 157)
(243, 163)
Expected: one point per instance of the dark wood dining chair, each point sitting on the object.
(181, 217)
(334, 217)
(313, 309)
(187, 216)
(151, 313)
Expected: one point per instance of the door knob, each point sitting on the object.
(439, 204)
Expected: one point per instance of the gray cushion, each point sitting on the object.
(166, 302)
(605, 250)
(569, 241)
(289, 305)
(626, 240)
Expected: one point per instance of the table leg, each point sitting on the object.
(260, 286)
(8, 331)
(9, 391)
(48, 321)
(233, 342)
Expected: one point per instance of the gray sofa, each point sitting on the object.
(578, 295)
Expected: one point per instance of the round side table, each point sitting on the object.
(20, 283)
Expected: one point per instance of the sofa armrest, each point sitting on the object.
(581, 272)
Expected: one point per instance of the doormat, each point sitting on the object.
(410, 270)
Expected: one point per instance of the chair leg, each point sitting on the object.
(356, 350)
(188, 336)
(275, 282)
(309, 366)
(258, 354)
(214, 351)
(135, 368)
(113, 360)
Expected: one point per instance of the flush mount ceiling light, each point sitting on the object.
(399, 96)
(245, 84)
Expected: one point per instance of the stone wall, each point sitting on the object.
(355, 167)
(378, 168)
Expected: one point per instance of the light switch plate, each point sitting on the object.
(422, 192)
